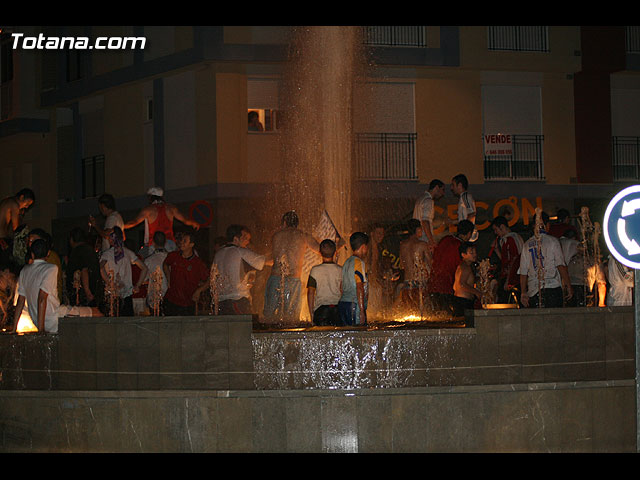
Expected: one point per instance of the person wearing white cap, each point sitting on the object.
(159, 216)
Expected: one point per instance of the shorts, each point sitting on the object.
(551, 298)
(350, 313)
(327, 315)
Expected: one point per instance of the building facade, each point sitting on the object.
(534, 116)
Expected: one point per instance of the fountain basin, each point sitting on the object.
(527, 380)
(508, 346)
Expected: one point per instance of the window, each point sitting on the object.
(262, 120)
(512, 132)
(262, 97)
(76, 61)
(92, 176)
(148, 109)
(625, 127)
(520, 39)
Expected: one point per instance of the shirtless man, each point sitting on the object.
(10, 211)
(288, 246)
(464, 289)
(415, 256)
(159, 216)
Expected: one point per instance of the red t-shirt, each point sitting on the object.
(559, 229)
(446, 258)
(161, 224)
(510, 262)
(186, 275)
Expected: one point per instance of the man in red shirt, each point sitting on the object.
(158, 217)
(446, 258)
(508, 248)
(562, 224)
(186, 275)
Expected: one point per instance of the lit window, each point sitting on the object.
(262, 120)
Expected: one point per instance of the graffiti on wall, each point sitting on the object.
(513, 208)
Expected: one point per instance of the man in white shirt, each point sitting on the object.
(550, 260)
(466, 204)
(38, 288)
(424, 210)
(117, 261)
(324, 287)
(235, 263)
(107, 206)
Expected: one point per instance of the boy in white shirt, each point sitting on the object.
(38, 287)
(324, 287)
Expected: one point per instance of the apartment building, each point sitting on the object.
(533, 115)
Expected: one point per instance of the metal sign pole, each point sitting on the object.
(636, 309)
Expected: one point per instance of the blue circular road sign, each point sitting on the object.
(621, 226)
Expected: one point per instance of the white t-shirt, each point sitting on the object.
(466, 208)
(122, 269)
(113, 220)
(552, 256)
(41, 275)
(423, 210)
(154, 261)
(621, 283)
(233, 273)
(326, 278)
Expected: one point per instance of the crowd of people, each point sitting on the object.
(559, 265)
(106, 274)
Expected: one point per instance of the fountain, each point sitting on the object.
(214, 288)
(155, 291)
(112, 293)
(591, 258)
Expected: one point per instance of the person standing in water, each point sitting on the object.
(355, 283)
(289, 245)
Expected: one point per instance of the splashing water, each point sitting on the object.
(485, 282)
(77, 284)
(155, 291)
(215, 284)
(112, 293)
(319, 89)
(282, 291)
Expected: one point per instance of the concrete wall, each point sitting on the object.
(550, 417)
(538, 380)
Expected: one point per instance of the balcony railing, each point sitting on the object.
(518, 38)
(395, 36)
(626, 158)
(386, 156)
(632, 39)
(524, 163)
